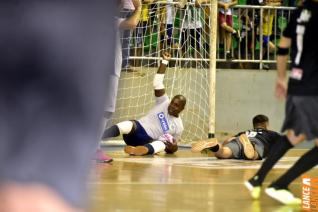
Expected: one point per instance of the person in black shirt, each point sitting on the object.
(301, 119)
(252, 144)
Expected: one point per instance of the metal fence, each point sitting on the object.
(260, 28)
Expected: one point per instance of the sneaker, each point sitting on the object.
(283, 196)
(247, 146)
(228, 56)
(101, 157)
(205, 144)
(138, 150)
(265, 67)
(255, 191)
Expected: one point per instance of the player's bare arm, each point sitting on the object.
(282, 58)
(158, 79)
(132, 21)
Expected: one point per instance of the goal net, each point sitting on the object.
(183, 30)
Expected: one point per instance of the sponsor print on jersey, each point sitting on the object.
(163, 122)
(296, 73)
(251, 134)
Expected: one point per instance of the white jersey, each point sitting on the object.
(170, 12)
(158, 121)
(192, 17)
(128, 4)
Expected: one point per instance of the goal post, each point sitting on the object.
(189, 32)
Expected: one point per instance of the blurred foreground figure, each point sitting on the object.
(54, 58)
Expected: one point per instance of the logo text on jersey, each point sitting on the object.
(163, 122)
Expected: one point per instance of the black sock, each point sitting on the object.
(215, 148)
(305, 163)
(113, 131)
(276, 152)
(151, 150)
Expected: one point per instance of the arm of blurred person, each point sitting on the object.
(232, 3)
(226, 6)
(281, 82)
(137, 4)
(148, 1)
(132, 21)
(199, 2)
(181, 3)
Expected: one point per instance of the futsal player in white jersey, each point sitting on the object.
(160, 128)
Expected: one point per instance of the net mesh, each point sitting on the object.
(181, 29)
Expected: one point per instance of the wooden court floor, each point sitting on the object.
(183, 182)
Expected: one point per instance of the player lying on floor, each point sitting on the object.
(158, 130)
(252, 144)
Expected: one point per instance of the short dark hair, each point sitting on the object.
(181, 98)
(259, 119)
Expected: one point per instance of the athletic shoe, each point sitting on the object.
(205, 144)
(101, 157)
(247, 146)
(138, 150)
(265, 67)
(283, 196)
(228, 56)
(255, 191)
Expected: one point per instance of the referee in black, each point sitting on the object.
(301, 121)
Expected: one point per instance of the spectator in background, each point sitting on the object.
(142, 29)
(192, 27)
(127, 9)
(267, 28)
(167, 17)
(226, 24)
(248, 35)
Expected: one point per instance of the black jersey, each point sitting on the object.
(303, 31)
(265, 137)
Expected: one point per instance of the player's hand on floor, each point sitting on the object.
(171, 147)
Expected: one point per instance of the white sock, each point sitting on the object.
(125, 127)
(158, 146)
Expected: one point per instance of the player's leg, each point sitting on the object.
(279, 189)
(231, 150)
(296, 118)
(205, 144)
(121, 128)
(147, 149)
(225, 152)
(137, 141)
(100, 156)
(277, 151)
(248, 148)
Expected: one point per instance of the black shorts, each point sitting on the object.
(301, 116)
(138, 138)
